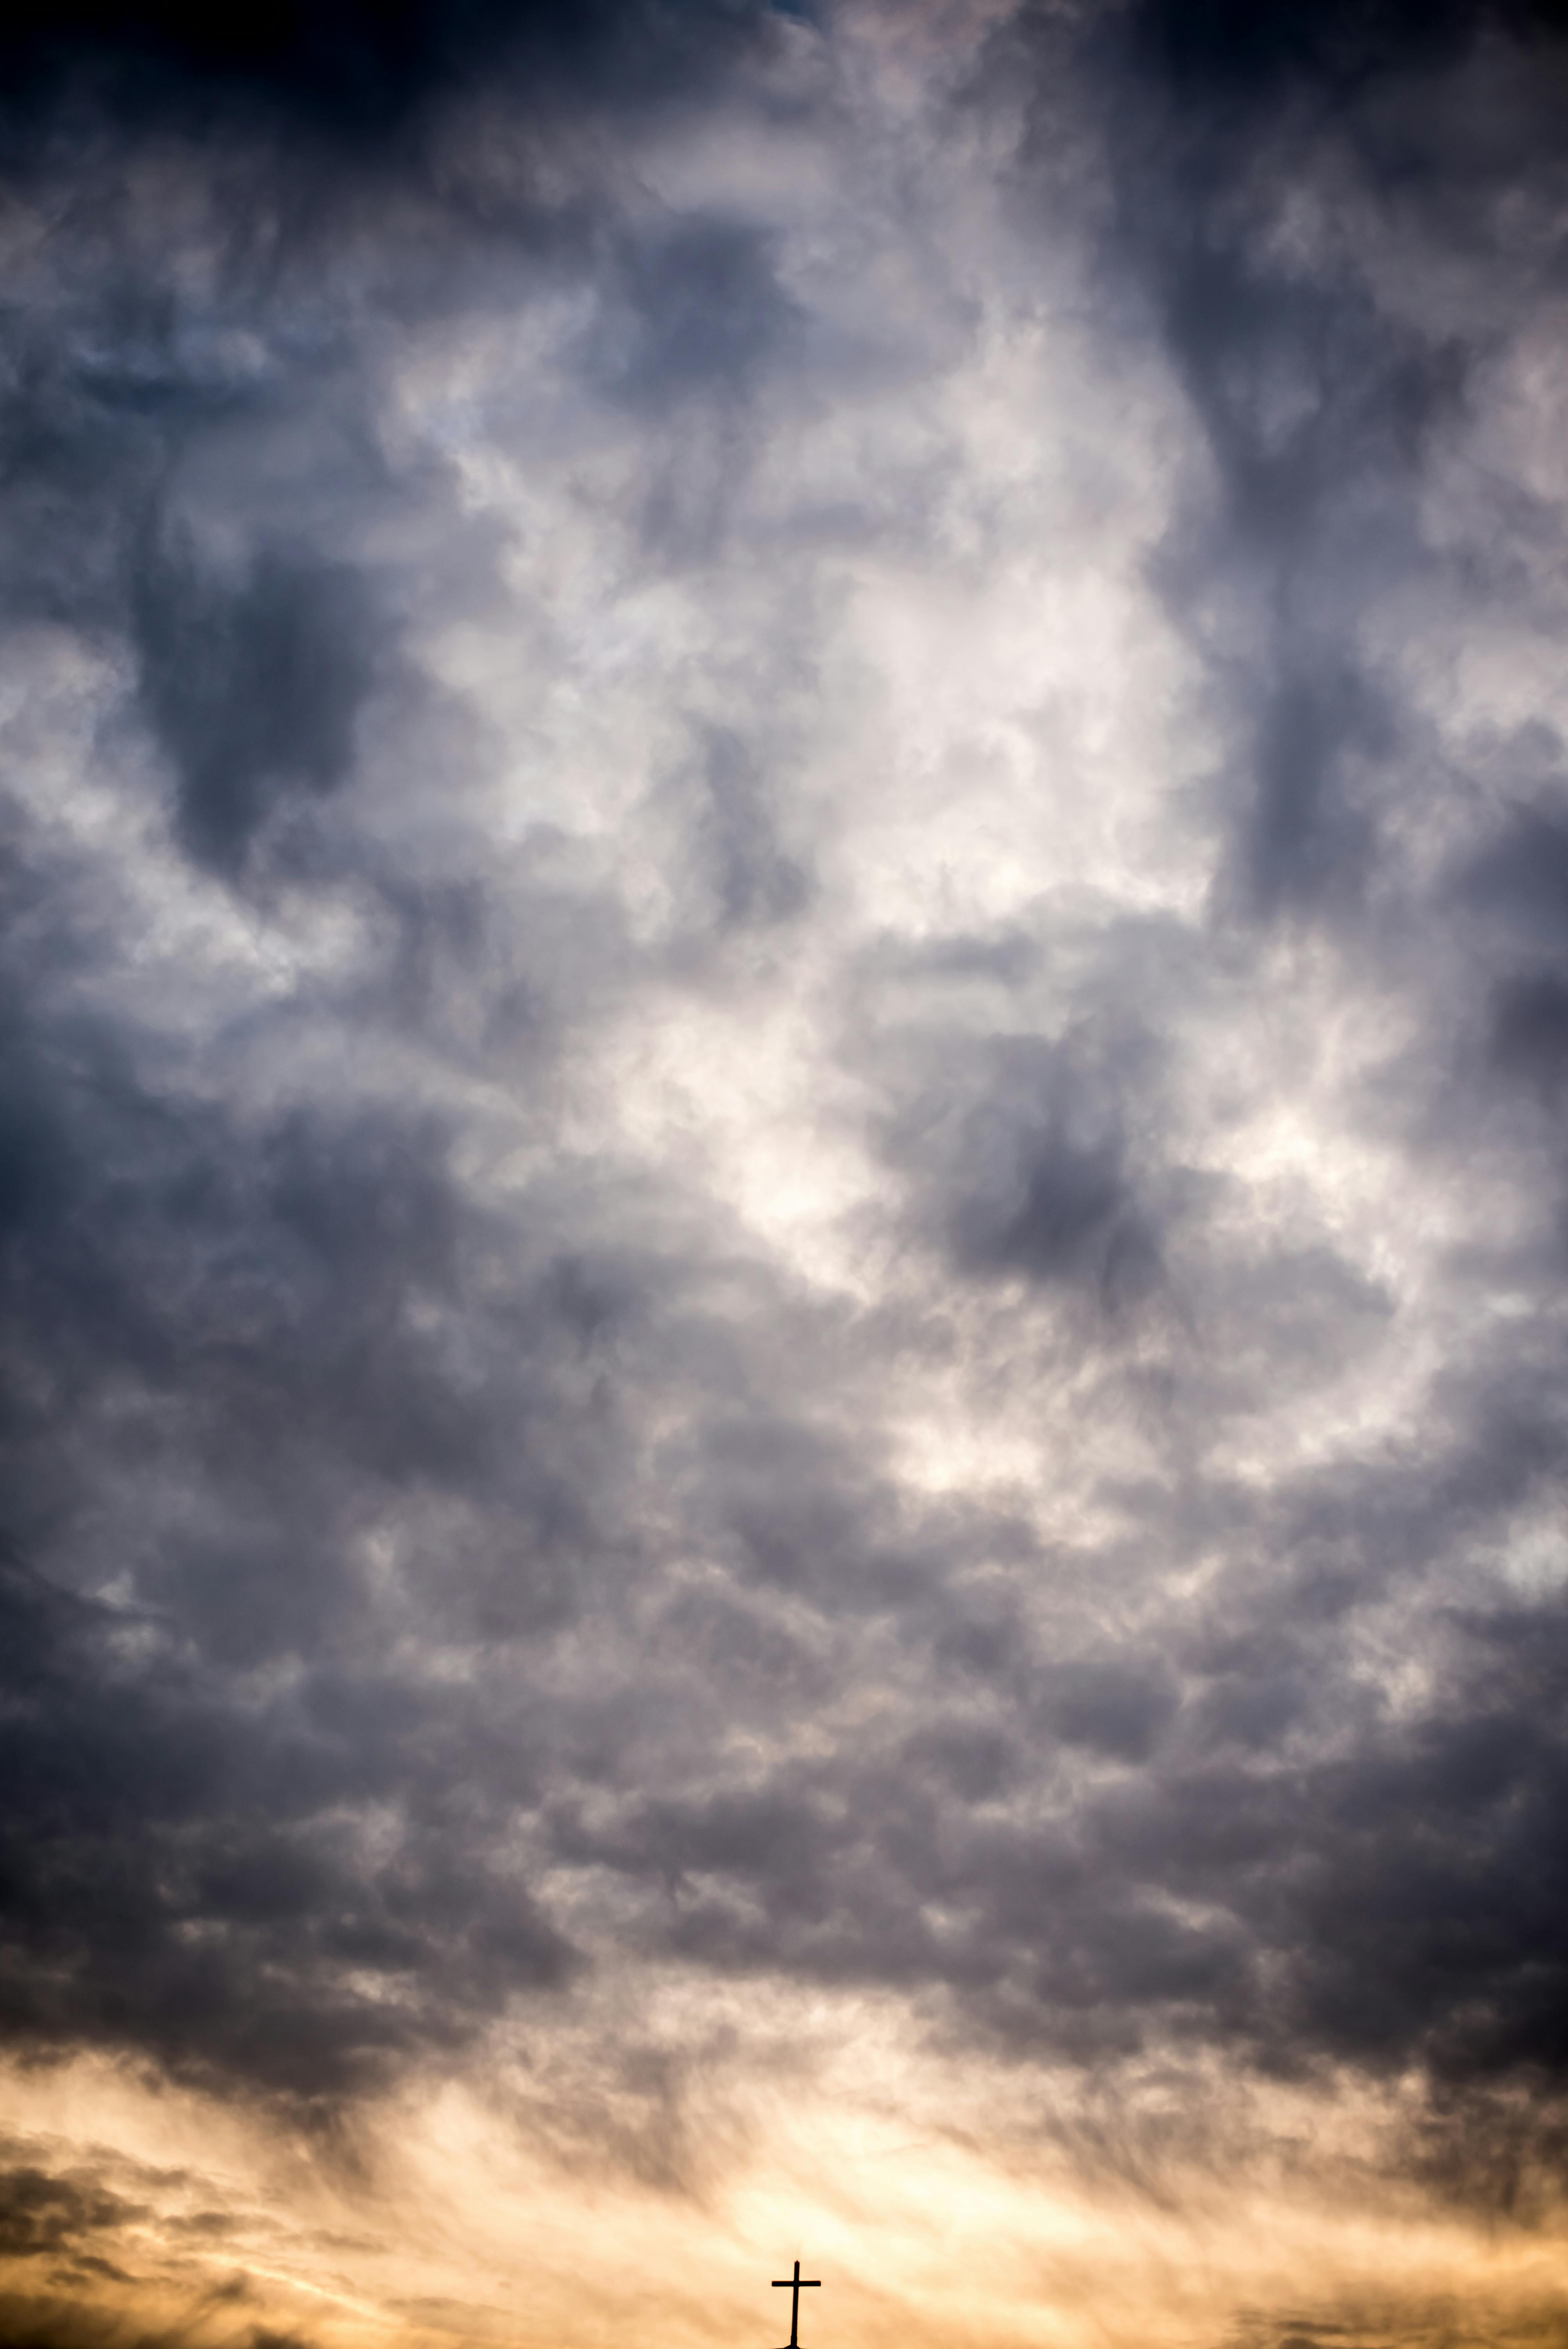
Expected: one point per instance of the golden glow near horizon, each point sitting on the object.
(480, 2210)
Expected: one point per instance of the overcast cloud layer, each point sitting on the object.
(785, 1040)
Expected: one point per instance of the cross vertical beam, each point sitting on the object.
(795, 2285)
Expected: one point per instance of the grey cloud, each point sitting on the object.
(740, 878)
(1529, 1028)
(1019, 1152)
(139, 1240)
(1113, 1707)
(1516, 891)
(695, 308)
(409, 1498)
(80, 469)
(252, 687)
(170, 1814)
(1308, 839)
(1523, 874)
(1323, 403)
(754, 879)
(1371, 1889)
(1317, 450)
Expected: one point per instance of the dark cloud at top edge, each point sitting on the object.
(355, 77)
(1235, 52)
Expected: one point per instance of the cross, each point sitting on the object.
(795, 2285)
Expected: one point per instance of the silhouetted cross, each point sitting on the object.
(795, 2285)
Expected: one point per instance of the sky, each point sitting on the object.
(783, 1206)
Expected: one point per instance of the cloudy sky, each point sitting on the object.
(783, 1210)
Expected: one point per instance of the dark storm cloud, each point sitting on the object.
(407, 1505)
(241, 1345)
(178, 1881)
(289, 1322)
(64, 2232)
(257, 1326)
(44, 2215)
